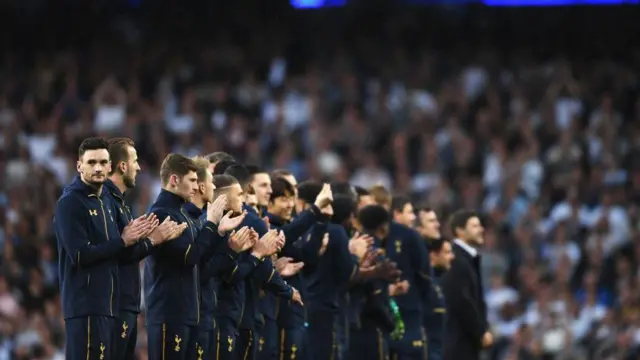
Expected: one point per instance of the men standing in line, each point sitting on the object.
(467, 330)
(124, 169)
(440, 255)
(89, 245)
(171, 283)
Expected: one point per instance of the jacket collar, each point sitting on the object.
(169, 199)
(113, 189)
(77, 185)
(192, 209)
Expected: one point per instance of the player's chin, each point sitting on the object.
(480, 240)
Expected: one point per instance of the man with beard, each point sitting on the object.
(172, 280)
(124, 169)
(89, 246)
(467, 330)
(220, 263)
(440, 255)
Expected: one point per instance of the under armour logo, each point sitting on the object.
(230, 342)
(102, 348)
(93, 212)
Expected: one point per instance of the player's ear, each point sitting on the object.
(79, 166)
(201, 188)
(173, 180)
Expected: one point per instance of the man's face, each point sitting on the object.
(444, 257)
(429, 226)
(262, 186)
(235, 198)
(473, 231)
(405, 217)
(93, 166)
(131, 168)
(187, 186)
(206, 187)
(365, 200)
(282, 206)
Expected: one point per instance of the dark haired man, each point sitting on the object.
(89, 246)
(374, 320)
(467, 330)
(406, 248)
(440, 255)
(221, 263)
(243, 175)
(171, 282)
(310, 224)
(124, 169)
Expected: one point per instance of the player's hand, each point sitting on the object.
(487, 340)
(399, 288)
(228, 223)
(327, 210)
(267, 245)
(153, 222)
(360, 244)
(134, 230)
(286, 267)
(215, 210)
(296, 297)
(242, 240)
(325, 243)
(167, 230)
(325, 197)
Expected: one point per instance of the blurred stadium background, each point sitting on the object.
(529, 114)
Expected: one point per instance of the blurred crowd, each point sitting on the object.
(547, 150)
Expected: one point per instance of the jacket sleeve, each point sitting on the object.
(72, 233)
(218, 265)
(136, 252)
(244, 267)
(272, 281)
(457, 292)
(301, 224)
(184, 251)
(419, 257)
(347, 267)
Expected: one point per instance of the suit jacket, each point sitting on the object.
(466, 308)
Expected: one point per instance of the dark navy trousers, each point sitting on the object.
(90, 337)
(172, 342)
(126, 335)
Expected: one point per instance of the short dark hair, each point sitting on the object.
(344, 188)
(281, 188)
(361, 191)
(398, 203)
(435, 245)
(343, 208)
(459, 219)
(92, 143)
(176, 164)
(239, 172)
(255, 169)
(222, 166)
(424, 208)
(372, 217)
(218, 156)
(222, 181)
(119, 151)
(277, 173)
(308, 191)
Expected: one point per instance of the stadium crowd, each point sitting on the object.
(546, 151)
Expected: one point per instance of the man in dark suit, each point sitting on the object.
(467, 330)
